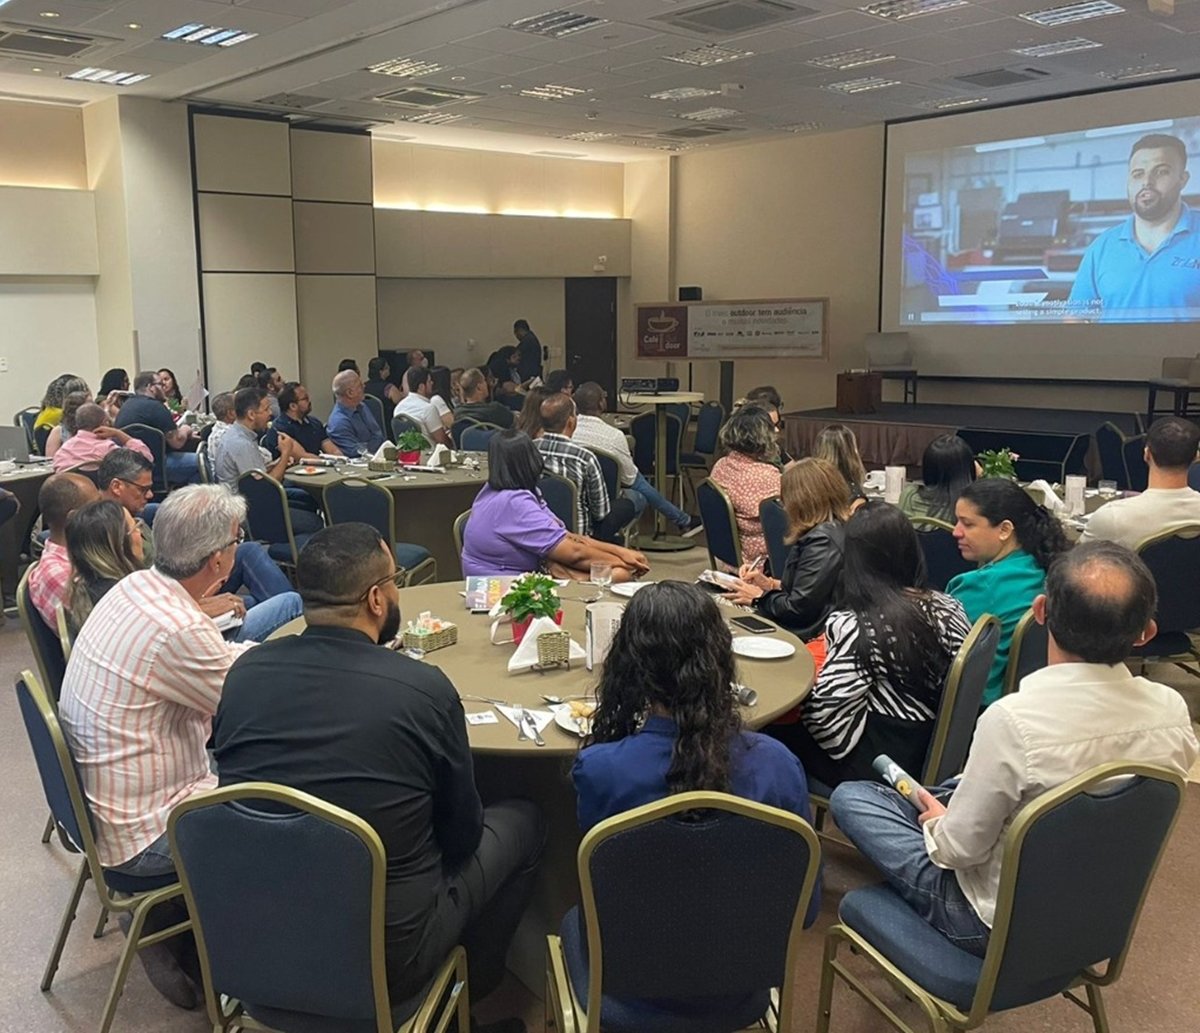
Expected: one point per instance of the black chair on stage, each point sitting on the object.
(943, 561)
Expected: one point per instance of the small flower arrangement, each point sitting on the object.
(410, 441)
(998, 463)
(531, 595)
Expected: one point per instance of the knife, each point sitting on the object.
(529, 726)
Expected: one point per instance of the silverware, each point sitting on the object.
(565, 699)
(488, 699)
(530, 727)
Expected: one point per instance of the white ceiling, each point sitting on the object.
(310, 59)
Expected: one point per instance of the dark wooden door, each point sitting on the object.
(591, 323)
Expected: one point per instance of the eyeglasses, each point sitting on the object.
(397, 578)
(146, 489)
(241, 537)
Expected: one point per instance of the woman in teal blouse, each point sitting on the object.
(1014, 541)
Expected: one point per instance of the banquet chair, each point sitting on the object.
(63, 628)
(43, 640)
(154, 440)
(610, 470)
(1121, 457)
(1173, 557)
(357, 500)
(460, 529)
(708, 427)
(774, 520)
(644, 429)
(477, 438)
(402, 422)
(204, 462)
(269, 519)
(1027, 652)
(692, 913)
(25, 420)
(562, 496)
(376, 407)
(943, 560)
(73, 821)
(720, 525)
(318, 964)
(958, 710)
(457, 428)
(1060, 913)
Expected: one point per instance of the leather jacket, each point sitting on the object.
(812, 582)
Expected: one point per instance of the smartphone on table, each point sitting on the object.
(754, 625)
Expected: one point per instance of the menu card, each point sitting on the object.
(484, 592)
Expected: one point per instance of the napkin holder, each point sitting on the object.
(384, 459)
(528, 655)
(439, 457)
(553, 650)
(446, 635)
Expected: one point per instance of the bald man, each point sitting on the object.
(59, 497)
(93, 439)
(351, 425)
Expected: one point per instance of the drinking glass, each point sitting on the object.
(1107, 488)
(601, 574)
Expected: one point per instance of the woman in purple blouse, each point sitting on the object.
(512, 531)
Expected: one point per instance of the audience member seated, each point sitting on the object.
(416, 406)
(113, 380)
(297, 422)
(137, 703)
(222, 410)
(94, 438)
(10, 506)
(817, 504)
(747, 473)
(529, 419)
(379, 386)
(888, 645)
(1014, 541)
(104, 543)
(456, 385)
(337, 714)
(595, 514)
(50, 577)
(512, 531)
(1167, 502)
(270, 380)
(947, 467)
(172, 396)
(442, 398)
(1083, 710)
(592, 432)
(352, 425)
(767, 398)
(148, 407)
(349, 364)
(239, 454)
(125, 477)
(667, 722)
(837, 444)
(476, 405)
(66, 427)
(560, 381)
(502, 365)
(51, 412)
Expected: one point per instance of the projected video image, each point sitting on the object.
(1101, 225)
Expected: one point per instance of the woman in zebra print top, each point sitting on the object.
(889, 645)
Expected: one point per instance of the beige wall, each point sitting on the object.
(41, 145)
(648, 203)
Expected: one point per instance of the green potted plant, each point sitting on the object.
(998, 463)
(409, 446)
(530, 596)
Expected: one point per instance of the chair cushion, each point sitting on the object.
(409, 556)
(619, 1015)
(119, 882)
(818, 788)
(911, 944)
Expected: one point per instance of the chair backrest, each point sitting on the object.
(376, 407)
(943, 561)
(720, 524)
(1194, 477)
(357, 500)
(242, 850)
(1173, 557)
(41, 435)
(204, 461)
(1027, 652)
(43, 640)
(962, 697)
(561, 496)
(610, 470)
(1181, 368)
(460, 529)
(63, 627)
(1077, 863)
(708, 427)
(663, 883)
(644, 429)
(266, 509)
(477, 438)
(1136, 468)
(1115, 449)
(25, 420)
(774, 520)
(888, 349)
(154, 440)
(401, 422)
(457, 428)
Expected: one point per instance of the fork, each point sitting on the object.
(487, 699)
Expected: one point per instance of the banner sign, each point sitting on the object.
(789, 328)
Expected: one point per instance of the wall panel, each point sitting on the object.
(330, 166)
(249, 317)
(336, 321)
(334, 238)
(242, 155)
(246, 233)
(48, 232)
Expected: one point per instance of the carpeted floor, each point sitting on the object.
(1156, 995)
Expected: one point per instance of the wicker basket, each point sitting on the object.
(382, 465)
(448, 636)
(554, 647)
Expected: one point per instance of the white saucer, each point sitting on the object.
(569, 723)
(628, 588)
(760, 647)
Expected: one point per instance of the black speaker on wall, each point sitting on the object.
(691, 294)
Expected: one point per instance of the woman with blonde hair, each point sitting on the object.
(105, 544)
(837, 444)
(817, 504)
(748, 473)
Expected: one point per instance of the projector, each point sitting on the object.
(639, 385)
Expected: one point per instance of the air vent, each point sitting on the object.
(731, 17)
(695, 132)
(33, 41)
(995, 78)
(557, 24)
(292, 101)
(432, 118)
(709, 54)
(426, 97)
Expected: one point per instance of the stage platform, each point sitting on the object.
(1051, 442)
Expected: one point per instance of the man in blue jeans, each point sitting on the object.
(1082, 710)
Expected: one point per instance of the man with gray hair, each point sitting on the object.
(352, 427)
(140, 692)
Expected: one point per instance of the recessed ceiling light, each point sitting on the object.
(49, 14)
(107, 76)
(683, 93)
(552, 91)
(710, 54)
(1069, 13)
(1137, 72)
(405, 67)
(208, 35)
(874, 82)
(1066, 46)
(432, 118)
(35, 69)
(557, 24)
(899, 10)
(710, 114)
(458, 78)
(851, 59)
(134, 25)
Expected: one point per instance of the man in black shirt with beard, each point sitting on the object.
(336, 714)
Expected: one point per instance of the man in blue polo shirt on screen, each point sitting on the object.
(1147, 268)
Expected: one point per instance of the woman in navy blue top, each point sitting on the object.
(667, 722)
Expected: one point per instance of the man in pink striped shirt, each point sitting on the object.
(140, 692)
(59, 496)
(93, 439)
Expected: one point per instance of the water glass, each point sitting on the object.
(1107, 488)
(601, 573)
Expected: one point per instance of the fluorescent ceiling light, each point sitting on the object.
(862, 85)
(950, 105)
(107, 76)
(208, 35)
(557, 24)
(552, 91)
(851, 59)
(684, 93)
(431, 118)
(405, 67)
(899, 10)
(1008, 145)
(1066, 46)
(1136, 127)
(1137, 72)
(586, 137)
(710, 114)
(710, 54)
(1069, 13)
(800, 127)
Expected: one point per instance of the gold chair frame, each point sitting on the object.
(460, 526)
(737, 534)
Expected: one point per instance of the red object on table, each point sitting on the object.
(522, 626)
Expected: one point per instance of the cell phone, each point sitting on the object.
(754, 625)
